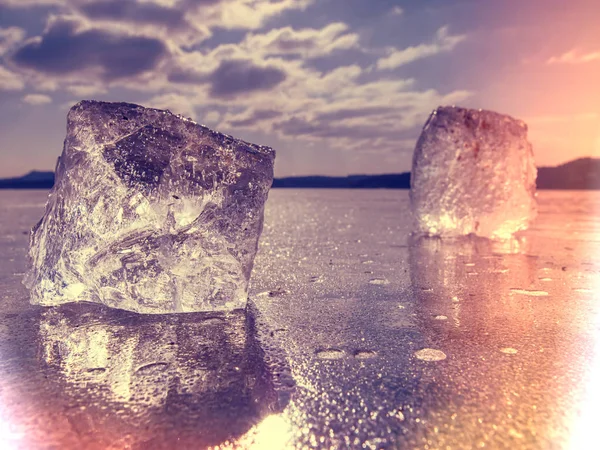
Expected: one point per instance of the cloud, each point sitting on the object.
(275, 46)
(246, 14)
(574, 57)
(350, 124)
(261, 78)
(176, 103)
(149, 19)
(252, 117)
(237, 76)
(306, 43)
(9, 37)
(443, 42)
(86, 90)
(29, 3)
(351, 113)
(37, 99)
(188, 21)
(212, 117)
(396, 11)
(132, 11)
(68, 47)
(10, 81)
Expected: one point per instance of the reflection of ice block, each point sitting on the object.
(194, 379)
(473, 172)
(150, 212)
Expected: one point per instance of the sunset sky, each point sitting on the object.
(335, 86)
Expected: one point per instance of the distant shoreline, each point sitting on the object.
(579, 174)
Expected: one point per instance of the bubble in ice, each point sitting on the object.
(150, 212)
(509, 350)
(473, 173)
(430, 354)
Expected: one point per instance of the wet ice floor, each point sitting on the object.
(357, 336)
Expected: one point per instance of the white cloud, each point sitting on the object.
(176, 103)
(307, 42)
(86, 90)
(212, 117)
(443, 42)
(10, 81)
(37, 99)
(574, 57)
(9, 37)
(247, 14)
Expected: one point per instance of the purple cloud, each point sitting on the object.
(238, 76)
(257, 116)
(131, 11)
(63, 50)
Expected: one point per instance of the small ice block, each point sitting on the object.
(473, 173)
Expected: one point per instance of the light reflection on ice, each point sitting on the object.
(584, 434)
(205, 370)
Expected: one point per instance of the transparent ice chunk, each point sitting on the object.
(150, 212)
(473, 173)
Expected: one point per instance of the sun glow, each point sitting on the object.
(585, 428)
(273, 433)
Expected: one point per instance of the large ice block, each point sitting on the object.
(473, 173)
(150, 212)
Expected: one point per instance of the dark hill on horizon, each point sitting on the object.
(579, 174)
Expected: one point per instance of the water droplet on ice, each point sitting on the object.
(440, 317)
(582, 290)
(364, 354)
(331, 353)
(530, 292)
(430, 354)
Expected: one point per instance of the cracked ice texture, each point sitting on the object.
(473, 173)
(150, 212)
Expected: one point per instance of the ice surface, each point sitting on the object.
(150, 212)
(473, 172)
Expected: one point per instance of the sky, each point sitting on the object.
(336, 87)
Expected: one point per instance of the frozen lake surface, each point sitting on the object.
(357, 336)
